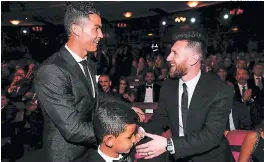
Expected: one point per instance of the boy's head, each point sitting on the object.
(115, 127)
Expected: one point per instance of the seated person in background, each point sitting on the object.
(252, 147)
(148, 92)
(163, 73)
(115, 127)
(122, 87)
(105, 83)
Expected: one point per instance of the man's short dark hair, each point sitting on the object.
(195, 40)
(111, 118)
(105, 75)
(75, 12)
(149, 71)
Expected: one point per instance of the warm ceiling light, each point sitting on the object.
(192, 3)
(150, 34)
(128, 14)
(14, 22)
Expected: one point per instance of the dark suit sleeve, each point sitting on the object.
(54, 93)
(212, 134)
(160, 118)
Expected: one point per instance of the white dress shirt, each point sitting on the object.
(231, 122)
(241, 88)
(149, 94)
(191, 84)
(79, 59)
(106, 157)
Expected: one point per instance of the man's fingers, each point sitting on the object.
(142, 146)
(150, 135)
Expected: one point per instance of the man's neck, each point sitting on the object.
(108, 151)
(191, 74)
(73, 45)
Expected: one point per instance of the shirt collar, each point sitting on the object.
(241, 86)
(74, 55)
(191, 82)
(106, 157)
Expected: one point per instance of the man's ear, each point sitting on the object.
(109, 140)
(195, 58)
(76, 30)
(110, 83)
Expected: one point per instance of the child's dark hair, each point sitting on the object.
(111, 118)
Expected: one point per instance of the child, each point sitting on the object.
(115, 128)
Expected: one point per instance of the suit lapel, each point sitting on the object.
(197, 98)
(238, 93)
(74, 67)
(143, 95)
(174, 105)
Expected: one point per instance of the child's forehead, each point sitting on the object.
(130, 128)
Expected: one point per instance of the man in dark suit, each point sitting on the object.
(66, 88)
(195, 107)
(244, 91)
(148, 92)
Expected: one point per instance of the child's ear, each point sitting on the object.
(109, 140)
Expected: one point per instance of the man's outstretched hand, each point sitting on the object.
(153, 148)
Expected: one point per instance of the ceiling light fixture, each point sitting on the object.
(192, 3)
(128, 14)
(15, 22)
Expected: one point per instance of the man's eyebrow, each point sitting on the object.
(100, 26)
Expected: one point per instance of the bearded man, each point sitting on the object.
(194, 105)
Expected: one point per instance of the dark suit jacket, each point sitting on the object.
(241, 116)
(206, 121)
(65, 97)
(255, 92)
(251, 81)
(141, 92)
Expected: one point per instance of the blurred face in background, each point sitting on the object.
(150, 63)
(141, 65)
(258, 70)
(159, 61)
(135, 63)
(222, 74)
(141, 60)
(149, 78)
(227, 62)
(241, 64)
(242, 76)
(122, 85)
(164, 71)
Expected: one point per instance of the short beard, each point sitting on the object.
(178, 71)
